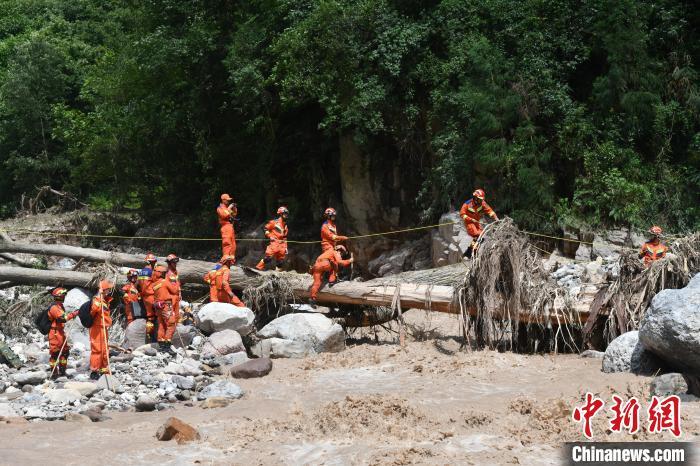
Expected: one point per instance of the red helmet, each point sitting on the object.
(150, 257)
(59, 293)
(656, 230)
(330, 212)
(479, 194)
(226, 197)
(172, 258)
(282, 210)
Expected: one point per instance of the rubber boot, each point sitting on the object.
(312, 303)
(94, 375)
(169, 349)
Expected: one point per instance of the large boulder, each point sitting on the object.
(450, 241)
(135, 334)
(669, 384)
(222, 343)
(62, 396)
(215, 317)
(75, 298)
(304, 334)
(671, 327)
(626, 354)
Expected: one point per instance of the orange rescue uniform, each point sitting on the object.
(210, 279)
(224, 294)
(131, 296)
(102, 319)
(276, 231)
(174, 287)
(471, 214)
(167, 319)
(330, 236)
(328, 262)
(653, 251)
(228, 234)
(145, 287)
(58, 353)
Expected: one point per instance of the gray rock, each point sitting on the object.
(35, 412)
(222, 343)
(62, 396)
(314, 332)
(109, 382)
(592, 354)
(65, 263)
(253, 368)
(215, 317)
(232, 359)
(669, 384)
(28, 388)
(187, 367)
(31, 378)
(184, 383)
(75, 298)
(671, 327)
(84, 388)
(626, 354)
(135, 334)
(280, 348)
(604, 249)
(145, 403)
(75, 417)
(3, 386)
(583, 253)
(6, 410)
(221, 388)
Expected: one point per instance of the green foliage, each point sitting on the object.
(566, 113)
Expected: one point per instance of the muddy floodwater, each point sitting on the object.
(374, 403)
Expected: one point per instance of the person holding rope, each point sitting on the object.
(58, 343)
(471, 213)
(329, 232)
(99, 336)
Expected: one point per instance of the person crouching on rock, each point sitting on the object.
(99, 337)
(653, 249)
(58, 345)
(167, 319)
(328, 262)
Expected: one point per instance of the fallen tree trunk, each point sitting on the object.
(440, 298)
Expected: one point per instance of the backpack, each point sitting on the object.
(42, 321)
(84, 314)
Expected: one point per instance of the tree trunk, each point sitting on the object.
(440, 298)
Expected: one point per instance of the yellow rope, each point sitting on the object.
(175, 238)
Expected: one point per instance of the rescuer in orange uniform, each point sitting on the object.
(328, 262)
(174, 283)
(471, 212)
(224, 294)
(58, 347)
(329, 232)
(653, 249)
(226, 213)
(276, 231)
(131, 295)
(145, 287)
(164, 297)
(210, 279)
(99, 338)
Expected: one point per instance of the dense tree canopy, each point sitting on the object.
(567, 112)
